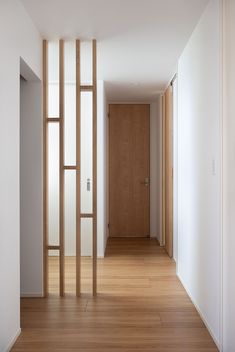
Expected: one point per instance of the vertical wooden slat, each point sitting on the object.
(45, 200)
(163, 170)
(169, 171)
(94, 263)
(78, 173)
(61, 104)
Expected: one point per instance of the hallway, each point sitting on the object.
(141, 306)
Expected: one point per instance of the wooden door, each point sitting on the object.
(129, 171)
(168, 171)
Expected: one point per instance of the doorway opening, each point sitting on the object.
(141, 183)
(31, 184)
(134, 176)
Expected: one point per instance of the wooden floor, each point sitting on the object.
(141, 306)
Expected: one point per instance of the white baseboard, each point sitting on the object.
(201, 315)
(31, 295)
(11, 344)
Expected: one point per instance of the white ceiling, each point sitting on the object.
(139, 41)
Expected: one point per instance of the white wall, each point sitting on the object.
(31, 188)
(18, 37)
(229, 177)
(199, 164)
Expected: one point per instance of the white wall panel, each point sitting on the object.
(19, 38)
(199, 165)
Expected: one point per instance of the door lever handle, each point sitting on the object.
(88, 184)
(146, 182)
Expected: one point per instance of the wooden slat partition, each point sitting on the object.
(60, 120)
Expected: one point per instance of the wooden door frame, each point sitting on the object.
(167, 143)
(108, 156)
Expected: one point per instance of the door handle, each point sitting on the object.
(146, 182)
(88, 184)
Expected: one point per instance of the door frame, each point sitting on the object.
(171, 135)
